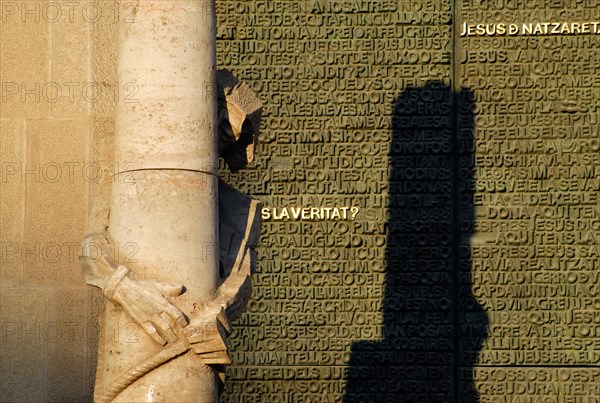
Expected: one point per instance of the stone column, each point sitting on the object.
(164, 217)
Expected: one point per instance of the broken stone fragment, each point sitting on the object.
(238, 122)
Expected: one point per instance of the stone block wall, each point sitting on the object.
(45, 138)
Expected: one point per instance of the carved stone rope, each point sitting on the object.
(154, 305)
(205, 335)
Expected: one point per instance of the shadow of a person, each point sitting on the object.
(433, 326)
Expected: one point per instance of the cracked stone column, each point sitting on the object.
(164, 217)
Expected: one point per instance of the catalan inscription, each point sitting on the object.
(536, 181)
(531, 28)
(431, 188)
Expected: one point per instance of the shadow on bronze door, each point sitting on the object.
(433, 326)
